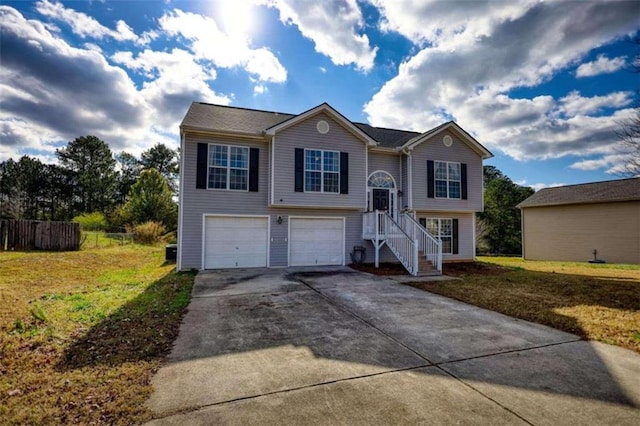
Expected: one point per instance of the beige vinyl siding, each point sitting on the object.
(434, 149)
(466, 250)
(572, 232)
(305, 135)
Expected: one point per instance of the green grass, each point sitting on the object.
(596, 302)
(81, 333)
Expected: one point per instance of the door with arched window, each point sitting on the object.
(382, 193)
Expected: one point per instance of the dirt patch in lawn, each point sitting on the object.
(385, 269)
(458, 269)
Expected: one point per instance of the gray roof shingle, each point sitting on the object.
(595, 192)
(231, 119)
(250, 121)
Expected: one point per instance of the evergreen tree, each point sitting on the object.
(498, 227)
(151, 199)
(164, 160)
(92, 171)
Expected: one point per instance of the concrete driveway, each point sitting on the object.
(335, 346)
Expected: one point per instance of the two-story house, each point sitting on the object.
(267, 189)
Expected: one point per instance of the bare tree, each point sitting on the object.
(629, 135)
(629, 129)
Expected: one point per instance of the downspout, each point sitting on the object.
(180, 200)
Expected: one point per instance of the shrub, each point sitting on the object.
(91, 221)
(149, 232)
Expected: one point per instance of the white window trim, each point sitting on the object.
(228, 167)
(393, 194)
(438, 235)
(448, 180)
(321, 171)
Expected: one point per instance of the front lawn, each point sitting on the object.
(596, 302)
(81, 333)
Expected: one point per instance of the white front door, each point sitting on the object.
(235, 242)
(316, 241)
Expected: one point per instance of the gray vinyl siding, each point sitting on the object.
(388, 162)
(404, 200)
(279, 250)
(197, 202)
(305, 135)
(466, 231)
(434, 149)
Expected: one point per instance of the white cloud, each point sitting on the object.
(602, 65)
(52, 92)
(208, 42)
(174, 80)
(574, 104)
(333, 25)
(466, 70)
(259, 89)
(84, 25)
(446, 24)
(538, 186)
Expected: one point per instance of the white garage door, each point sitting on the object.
(316, 241)
(235, 242)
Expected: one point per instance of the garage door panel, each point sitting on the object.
(235, 242)
(316, 242)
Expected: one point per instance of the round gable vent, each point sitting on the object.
(323, 127)
(447, 141)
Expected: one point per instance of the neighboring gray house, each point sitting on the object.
(567, 223)
(266, 189)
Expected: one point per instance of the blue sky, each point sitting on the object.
(541, 84)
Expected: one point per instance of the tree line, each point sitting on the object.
(89, 178)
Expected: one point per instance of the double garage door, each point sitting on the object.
(243, 242)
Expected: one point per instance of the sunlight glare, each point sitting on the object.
(236, 17)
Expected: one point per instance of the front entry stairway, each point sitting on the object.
(418, 251)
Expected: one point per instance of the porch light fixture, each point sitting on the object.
(279, 220)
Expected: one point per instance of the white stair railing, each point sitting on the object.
(399, 242)
(430, 246)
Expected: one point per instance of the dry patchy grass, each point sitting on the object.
(596, 302)
(81, 333)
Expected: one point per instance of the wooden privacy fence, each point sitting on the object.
(39, 235)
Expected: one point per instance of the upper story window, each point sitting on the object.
(228, 167)
(321, 171)
(448, 179)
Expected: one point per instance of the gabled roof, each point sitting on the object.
(466, 138)
(252, 122)
(586, 193)
(329, 110)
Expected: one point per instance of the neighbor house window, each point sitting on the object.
(228, 167)
(321, 171)
(447, 179)
(442, 228)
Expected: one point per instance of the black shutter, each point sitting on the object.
(430, 179)
(454, 234)
(344, 172)
(463, 178)
(254, 159)
(299, 170)
(201, 166)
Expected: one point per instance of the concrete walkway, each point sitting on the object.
(335, 346)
